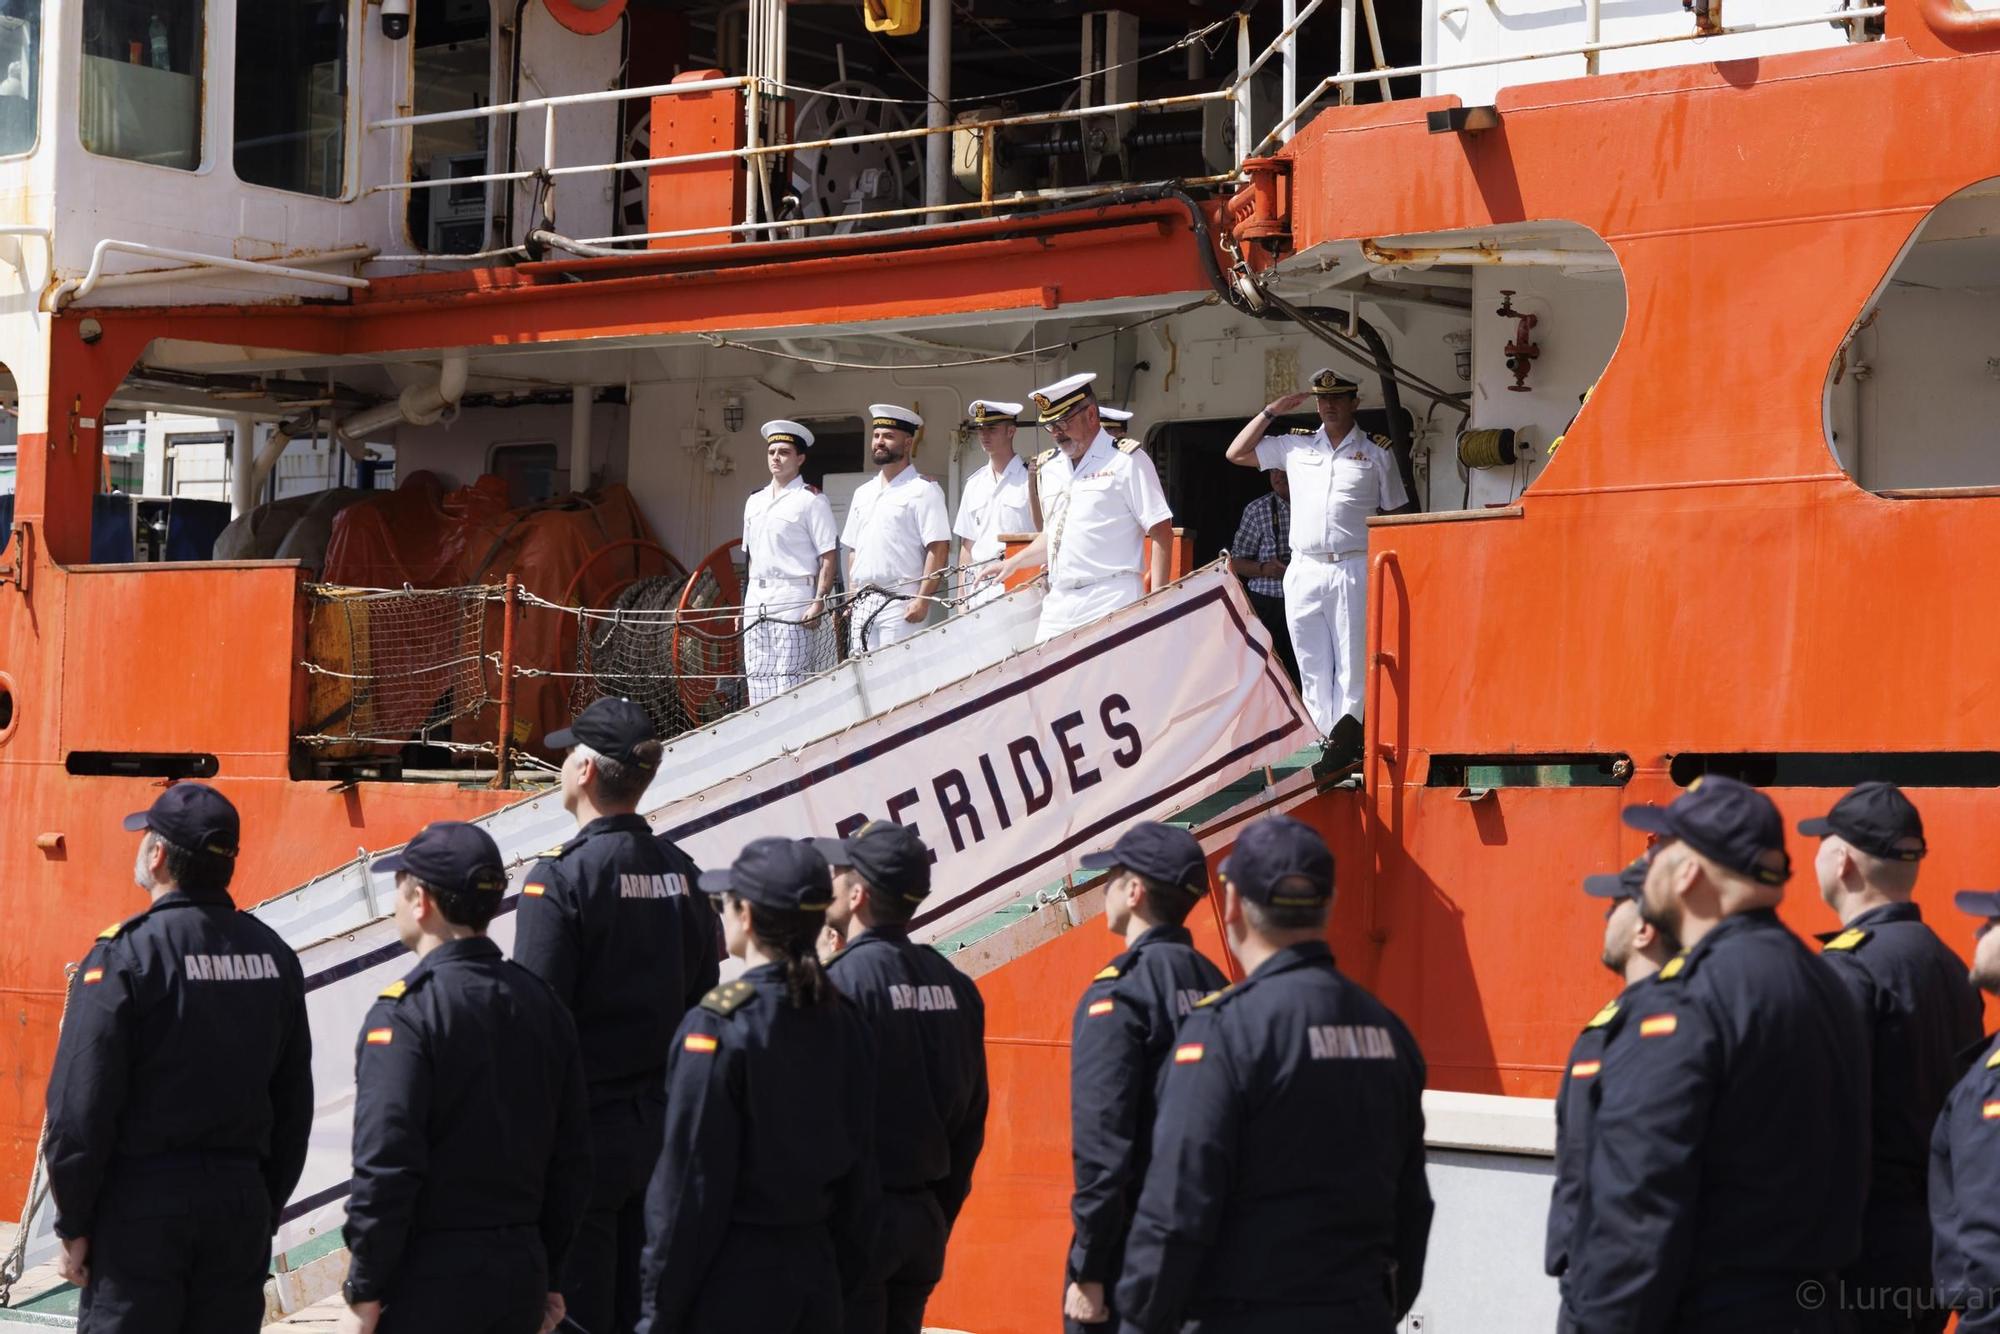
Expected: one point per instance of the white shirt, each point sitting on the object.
(889, 525)
(786, 529)
(1097, 520)
(990, 506)
(1335, 488)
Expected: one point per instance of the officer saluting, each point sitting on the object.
(897, 535)
(1635, 949)
(994, 501)
(471, 1138)
(929, 1025)
(1965, 1157)
(610, 921)
(1922, 1015)
(1286, 1190)
(764, 1206)
(1729, 1149)
(181, 1097)
(1119, 1039)
(788, 536)
(1339, 477)
(1103, 502)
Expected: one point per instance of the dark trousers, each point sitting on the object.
(1271, 611)
(768, 1281)
(487, 1282)
(180, 1250)
(600, 1278)
(910, 1246)
(1889, 1289)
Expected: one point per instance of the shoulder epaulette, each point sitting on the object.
(111, 932)
(1106, 973)
(1304, 430)
(1214, 996)
(1604, 1016)
(1847, 940)
(550, 854)
(394, 991)
(1384, 441)
(1126, 444)
(728, 998)
(1993, 1061)
(1674, 967)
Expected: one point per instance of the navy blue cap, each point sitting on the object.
(610, 726)
(193, 816)
(1876, 818)
(1281, 862)
(451, 857)
(889, 856)
(1629, 883)
(784, 873)
(1728, 822)
(1161, 852)
(1979, 902)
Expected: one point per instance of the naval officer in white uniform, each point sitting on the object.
(1101, 508)
(1339, 477)
(994, 501)
(898, 535)
(788, 536)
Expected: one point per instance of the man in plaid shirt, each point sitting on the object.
(1258, 557)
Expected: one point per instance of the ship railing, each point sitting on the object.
(483, 672)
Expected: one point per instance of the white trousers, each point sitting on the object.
(874, 620)
(1066, 609)
(1326, 607)
(778, 655)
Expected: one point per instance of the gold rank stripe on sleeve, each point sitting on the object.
(1187, 1053)
(1658, 1025)
(1991, 1110)
(1585, 1069)
(1102, 1007)
(534, 889)
(91, 975)
(698, 1042)
(381, 1037)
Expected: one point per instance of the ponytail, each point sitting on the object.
(793, 938)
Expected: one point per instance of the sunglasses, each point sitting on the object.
(1067, 417)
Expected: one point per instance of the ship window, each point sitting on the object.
(291, 94)
(529, 471)
(451, 54)
(20, 75)
(139, 97)
(1913, 393)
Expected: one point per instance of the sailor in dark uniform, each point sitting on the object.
(764, 1206)
(471, 1137)
(1729, 1151)
(1922, 1015)
(1119, 1039)
(1965, 1158)
(1634, 949)
(181, 1098)
(929, 1025)
(1286, 1192)
(610, 920)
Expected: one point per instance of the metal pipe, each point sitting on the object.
(1289, 70)
(243, 465)
(579, 437)
(1390, 256)
(937, 110)
(1240, 89)
(1582, 48)
(564, 100)
(1593, 31)
(503, 747)
(1277, 43)
(73, 289)
(1346, 64)
(1375, 45)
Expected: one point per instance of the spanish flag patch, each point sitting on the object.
(1102, 1007)
(700, 1042)
(381, 1037)
(91, 975)
(534, 889)
(1585, 1069)
(1658, 1025)
(1991, 1109)
(1187, 1053)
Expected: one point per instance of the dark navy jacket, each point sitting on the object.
(1119, 1040)
(929, 1024)
(469, 1114)
(186, 1034)
(770, 1129)
(1965, 1197)
(612, 922)
(1576, 1111)
(1729, 1154)
(1288, 1157)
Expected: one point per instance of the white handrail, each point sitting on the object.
(72, 289)
(559, 100)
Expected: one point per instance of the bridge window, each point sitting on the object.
(20, 75)
(139, 96)
(451, 52)
(1912, 392)
(291, 95)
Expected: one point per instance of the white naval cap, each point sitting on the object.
(893, 417)
(782, 432)
(1056, 401)
(1119, 415)
(991, 412)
